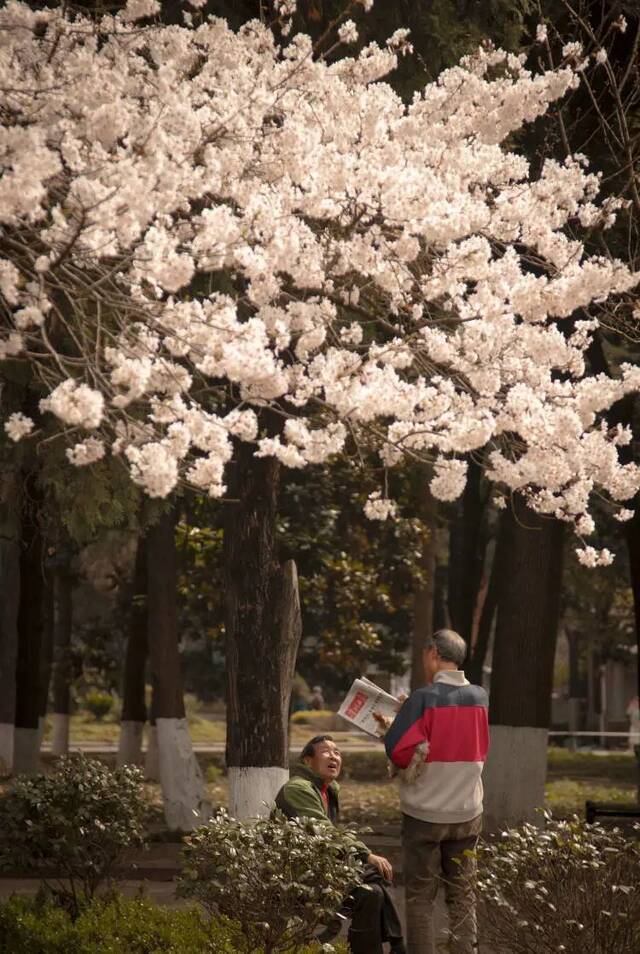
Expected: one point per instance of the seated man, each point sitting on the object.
(312, 792)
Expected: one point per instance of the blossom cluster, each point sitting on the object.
(198, 224)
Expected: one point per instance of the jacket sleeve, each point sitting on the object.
(407, 731)
(297, 799)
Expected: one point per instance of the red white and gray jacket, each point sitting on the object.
(449, 720)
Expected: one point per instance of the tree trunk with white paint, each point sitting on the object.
(151, 762)
(9, 601)
(263, 629)
(530, 555)
(134, 708)
(26, 754)
(61, 670)
(180, 776)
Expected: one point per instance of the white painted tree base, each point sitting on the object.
(130, 743)
(151, 764)
(6, 748)
(514, 776)
(26, 751)
(252, 791)
(60, 733)
(183, 794)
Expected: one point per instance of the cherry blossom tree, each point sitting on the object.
(218, 247)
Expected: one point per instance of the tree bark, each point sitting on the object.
(134, 708)
(180, 776)
(466, 555)
(61, 670)
(475, 671)
(263, 629)
(26, 756)
(530, 555)
(9, 601)
(46, 656)
(424, 597)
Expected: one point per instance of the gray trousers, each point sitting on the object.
(429, 853)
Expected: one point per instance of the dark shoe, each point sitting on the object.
(397, 947)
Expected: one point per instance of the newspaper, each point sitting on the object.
(363, 699)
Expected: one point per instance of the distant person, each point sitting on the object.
(441, 737)
(313, 792)
(317, 698)
(633, 712)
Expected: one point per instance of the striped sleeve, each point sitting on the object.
(407, 731)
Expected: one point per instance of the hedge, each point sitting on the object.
(116, 926)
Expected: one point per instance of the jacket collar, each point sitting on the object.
(301, 770)
(452, 677)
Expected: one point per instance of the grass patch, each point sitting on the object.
(614, 766)
(84, 728)
(567, 796)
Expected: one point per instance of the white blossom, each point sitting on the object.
(378, 507)
(541, 32)
(307, 273)
(18, 425)
(348, 32)
(86, 452)
(75, 404)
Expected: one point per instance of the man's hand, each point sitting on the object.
(382, 865)
(383, 721)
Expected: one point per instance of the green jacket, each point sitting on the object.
(301, 797)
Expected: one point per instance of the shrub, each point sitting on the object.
(30, 927)
(569, 887)
(98, 704)
(72, 826)
(118, 926)
(280, 880)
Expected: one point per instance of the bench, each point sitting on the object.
(594, 810)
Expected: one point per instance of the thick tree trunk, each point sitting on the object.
(466, 555)
(530, 552)
(134, 709)
(61, 670)
(180, 776)
(46, 656)
(475, 668)
(9, 601)
(424, 597)
(151, 762)
(263, 630)
(26, 746)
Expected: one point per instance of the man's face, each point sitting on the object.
(326, 761)
(430, 662)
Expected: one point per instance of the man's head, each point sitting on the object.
(444, 650)
(323, 757)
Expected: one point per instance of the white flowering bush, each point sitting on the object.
(278, 879)
(73, 826)
(568, 887)
(198, 224)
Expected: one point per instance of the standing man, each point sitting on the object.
(441, 735)
(313, 792)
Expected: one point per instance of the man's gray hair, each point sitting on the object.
(450, 645)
